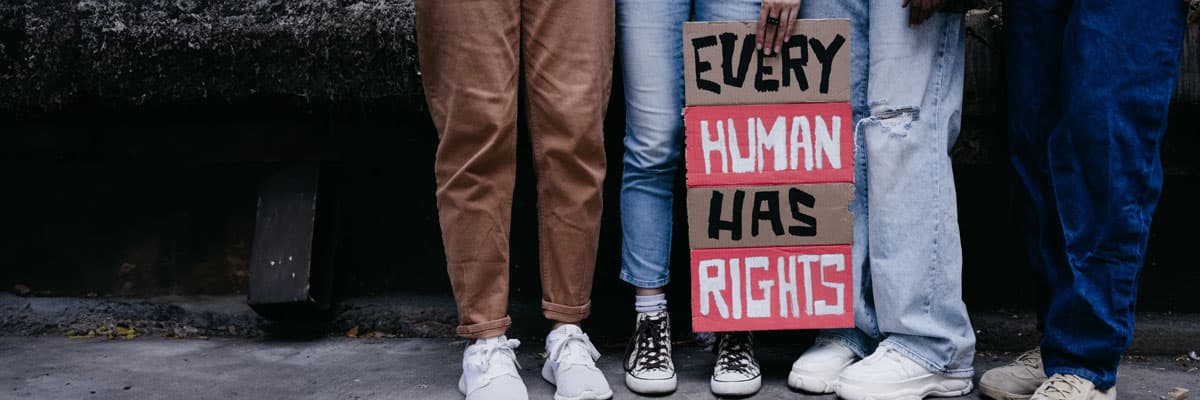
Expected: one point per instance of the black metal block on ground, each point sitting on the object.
(292, 256)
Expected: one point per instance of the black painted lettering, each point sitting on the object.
(702, 66)
(765, 85)
(795, 65)
(770, 214)
(799, 198)
(825, 56)
(716, 224)
(728, 42)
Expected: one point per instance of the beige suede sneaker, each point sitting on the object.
(1072, 387)
(1015, 381)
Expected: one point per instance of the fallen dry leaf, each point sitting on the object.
(353, 332)
(126, 332)
(21, 290)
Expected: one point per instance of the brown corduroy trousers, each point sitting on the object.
(473, 54)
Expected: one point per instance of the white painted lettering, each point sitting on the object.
(711, 286)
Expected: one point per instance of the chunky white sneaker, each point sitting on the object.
(648, 366)
(736, 372)
(1071, 387)
(817, 370)
(1015, 381)
(490, 371)
(888, 374)
(571, 366)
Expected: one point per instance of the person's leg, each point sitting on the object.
(817, 370)
(567, 46)
(1033, 30)
(568, 52)
(651, 46)
(474, 107)
(916, 256)
(1034, 108)
(914, 249)
(1120, 61)
(863, 338)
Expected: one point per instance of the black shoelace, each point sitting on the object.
(735, 353)
(649, 345)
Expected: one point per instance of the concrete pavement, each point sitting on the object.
(54, 367)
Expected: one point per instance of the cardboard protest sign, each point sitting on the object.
(769, 144)
(721, 65)
(764, 216)
(772, 288)
(770, 176)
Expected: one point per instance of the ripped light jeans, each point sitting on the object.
(908, 258)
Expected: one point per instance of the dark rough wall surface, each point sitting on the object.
(133, 135)
(53, 51)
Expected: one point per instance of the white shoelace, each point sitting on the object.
(1064, 386)
(1030, 359)
(483, 354)
(574, 349)
(650, 346)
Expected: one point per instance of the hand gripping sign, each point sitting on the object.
(770, 175)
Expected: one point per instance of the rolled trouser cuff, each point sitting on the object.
(485, 329)
(566, 314)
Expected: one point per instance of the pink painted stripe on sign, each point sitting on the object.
(769, 144)
(772, 288)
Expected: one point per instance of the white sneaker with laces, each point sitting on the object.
(1071, 387)
(888, 374)
(648, 365)
(571, 366)
(490, 371)
(736, 372)
(1015, 381)
(817, 370)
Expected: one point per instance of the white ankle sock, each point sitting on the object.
(651, 303)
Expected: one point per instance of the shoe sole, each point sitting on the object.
(811, 384)
(850, 392)
(586, 395)
(651, 386)
(739, 388)
(997, 394)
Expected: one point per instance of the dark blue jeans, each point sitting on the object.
(1090, 82)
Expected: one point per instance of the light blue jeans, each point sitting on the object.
(906, 242)
(906, 248)
(650, 39)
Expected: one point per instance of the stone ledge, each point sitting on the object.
(157, 51)
(424, 315)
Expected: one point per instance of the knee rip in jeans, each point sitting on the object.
(895, 121)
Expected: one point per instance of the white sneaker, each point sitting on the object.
(648, 366)
(887, 374)
(1015, 381)
(1071, 387)
(736, 372)
(490, 371)
(571, 366)
(817, 370)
